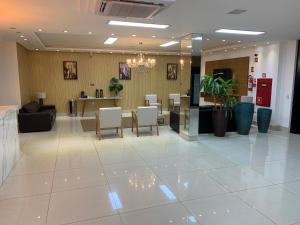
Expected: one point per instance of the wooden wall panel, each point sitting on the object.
(24, 74)
(46, 74)
(240, 70)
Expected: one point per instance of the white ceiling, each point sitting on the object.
(278, 18)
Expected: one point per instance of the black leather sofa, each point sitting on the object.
(34, 117)
(205, 120)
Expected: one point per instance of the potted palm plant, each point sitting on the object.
(222, 93)
(115, 86)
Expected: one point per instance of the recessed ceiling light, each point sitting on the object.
(112, 34)
(25, 39)
(110, 41)
(110, 52)
(207, 39)
(90, 32)
(40, 29)
(241, 32)
(189, 46)
(154, 36)
(223, 40)
(21, 36)
(65, 31)
(169, 43)
(198, 38)
(133, 24)
(57, 50)
(36, 49)
(134, 35)
(239, 41)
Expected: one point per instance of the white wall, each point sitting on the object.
(268, 60)
(285, 85)
(277, 60)
(9, 74)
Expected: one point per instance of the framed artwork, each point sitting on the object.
(172, 69)
(70, 70)
(124, 71)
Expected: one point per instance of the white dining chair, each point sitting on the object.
(109, 118)
(145, 116)
(174, 101)
(152, 100)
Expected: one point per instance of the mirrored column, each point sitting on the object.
(191, 49)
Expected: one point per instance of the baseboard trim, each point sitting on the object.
(274, 127)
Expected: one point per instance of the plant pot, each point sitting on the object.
(263, 119)
(244, 117)
(219, 122)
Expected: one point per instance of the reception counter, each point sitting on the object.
(9, 140)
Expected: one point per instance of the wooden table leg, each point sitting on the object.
(83, 108)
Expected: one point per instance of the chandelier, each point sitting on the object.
(141, 61)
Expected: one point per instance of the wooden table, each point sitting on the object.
(85, 100)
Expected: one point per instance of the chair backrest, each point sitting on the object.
(152, 98)
(147, 115)
(110, 117)
(175, 97)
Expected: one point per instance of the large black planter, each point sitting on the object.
(244, 117)
(263, 119)
(219, 122)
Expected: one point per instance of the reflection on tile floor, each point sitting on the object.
(68, 176)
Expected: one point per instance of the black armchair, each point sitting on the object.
(33, 117)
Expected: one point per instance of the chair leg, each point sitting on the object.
(157, 130)
(121, 132)
(132, 125)
(151, 128)
(117, 130)
(137, 131)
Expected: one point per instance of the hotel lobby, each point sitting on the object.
(150, 112)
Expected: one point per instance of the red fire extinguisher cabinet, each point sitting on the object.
(264, 92)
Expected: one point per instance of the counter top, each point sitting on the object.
(9, 140)
(6, 108)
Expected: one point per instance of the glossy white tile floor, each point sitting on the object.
(67, 176)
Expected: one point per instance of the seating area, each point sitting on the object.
(151, 112)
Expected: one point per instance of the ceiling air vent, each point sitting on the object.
(237, 11)
(131, 9)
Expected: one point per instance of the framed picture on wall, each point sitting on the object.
(124, 71)
(70, 70)
(172, 69)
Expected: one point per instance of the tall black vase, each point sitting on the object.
(220, 122)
